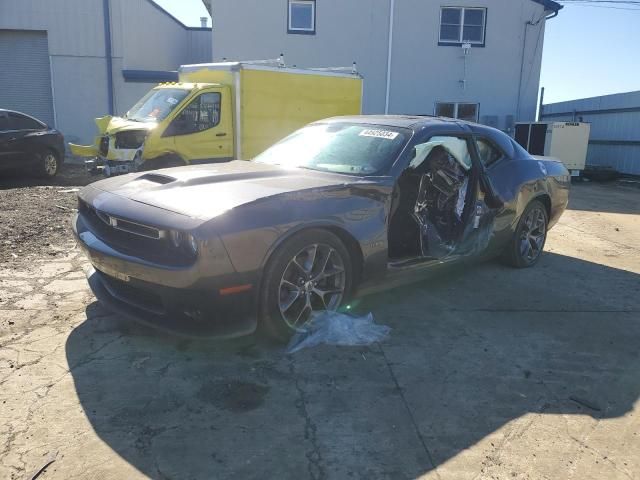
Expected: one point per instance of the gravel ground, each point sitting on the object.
(489, 373)
(34, 213)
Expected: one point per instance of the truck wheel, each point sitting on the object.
(312, 271)
(48, 164)
(525, 248)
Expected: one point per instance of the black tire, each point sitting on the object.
(525, 248)
(280, 274)
(48, 164)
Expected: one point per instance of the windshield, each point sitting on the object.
(156, 105)
(338, 147)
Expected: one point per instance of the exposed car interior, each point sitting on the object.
(433, 200)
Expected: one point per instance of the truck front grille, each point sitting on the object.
(130, 140)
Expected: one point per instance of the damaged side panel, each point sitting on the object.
(441, 192)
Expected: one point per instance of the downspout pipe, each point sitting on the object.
(524, 51)
(106, 9)
(392, 9)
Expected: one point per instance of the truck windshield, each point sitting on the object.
(156, 105)
(346, 148)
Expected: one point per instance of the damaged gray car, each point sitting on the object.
(339, 208)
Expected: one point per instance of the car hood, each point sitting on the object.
(111, 125)
(206, 191)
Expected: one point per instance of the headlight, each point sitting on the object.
(184, 241)
(177, 237)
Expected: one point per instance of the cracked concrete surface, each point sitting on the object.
(479, 378)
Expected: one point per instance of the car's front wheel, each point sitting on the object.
(530, 236)
(48, 164)
(309, 273)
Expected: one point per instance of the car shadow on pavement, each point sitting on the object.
(70, 175)
(469, 352)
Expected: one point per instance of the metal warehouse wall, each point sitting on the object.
(615, 128)
(143, 38)
(76, 52)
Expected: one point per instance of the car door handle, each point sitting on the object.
(221, 134)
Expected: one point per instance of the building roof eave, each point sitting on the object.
(550, 5)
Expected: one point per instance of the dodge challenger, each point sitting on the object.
(339, 208)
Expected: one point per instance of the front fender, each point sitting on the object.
(252, 233)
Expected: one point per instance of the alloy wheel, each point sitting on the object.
(533, 235)
(314, 280)
(50, 164)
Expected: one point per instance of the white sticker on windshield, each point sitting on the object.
(379, 134)
(172, 100)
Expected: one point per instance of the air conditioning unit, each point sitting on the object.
(566, 141)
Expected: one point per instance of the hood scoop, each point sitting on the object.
(156, 178)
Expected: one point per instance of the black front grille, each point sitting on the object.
(104, 146)
(131, 241)
(131, 139)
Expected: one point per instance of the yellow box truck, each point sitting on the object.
(218, 112)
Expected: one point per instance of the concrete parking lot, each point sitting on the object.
(489, 372)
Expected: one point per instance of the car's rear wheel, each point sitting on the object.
(48, 164)
(309, 273)
(530, 236)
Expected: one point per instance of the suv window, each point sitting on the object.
(489, 154)
(201, 114)
(4, 121)
(21, 122)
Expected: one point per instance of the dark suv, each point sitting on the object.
(28, 143)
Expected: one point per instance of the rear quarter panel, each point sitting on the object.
(517, 182)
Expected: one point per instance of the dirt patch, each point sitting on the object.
(35, 214)
(235, 396)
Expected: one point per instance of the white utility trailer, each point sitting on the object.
(566, 141)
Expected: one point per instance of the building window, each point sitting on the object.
(461, 111)
(460, 25)
(302, 17)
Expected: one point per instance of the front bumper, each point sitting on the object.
(179, 300)
(188, 313)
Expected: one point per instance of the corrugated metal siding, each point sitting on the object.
(143, 38)
(25, 76)
(75, 26)
(615, 120)
(200, 46)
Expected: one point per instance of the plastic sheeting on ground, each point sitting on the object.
(333, 328)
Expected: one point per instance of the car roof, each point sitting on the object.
(430, 124)
(4, 110)
(415, 122)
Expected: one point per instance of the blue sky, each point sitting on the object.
(588, 51)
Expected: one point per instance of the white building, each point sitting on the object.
(69, 61)
(410, 51)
